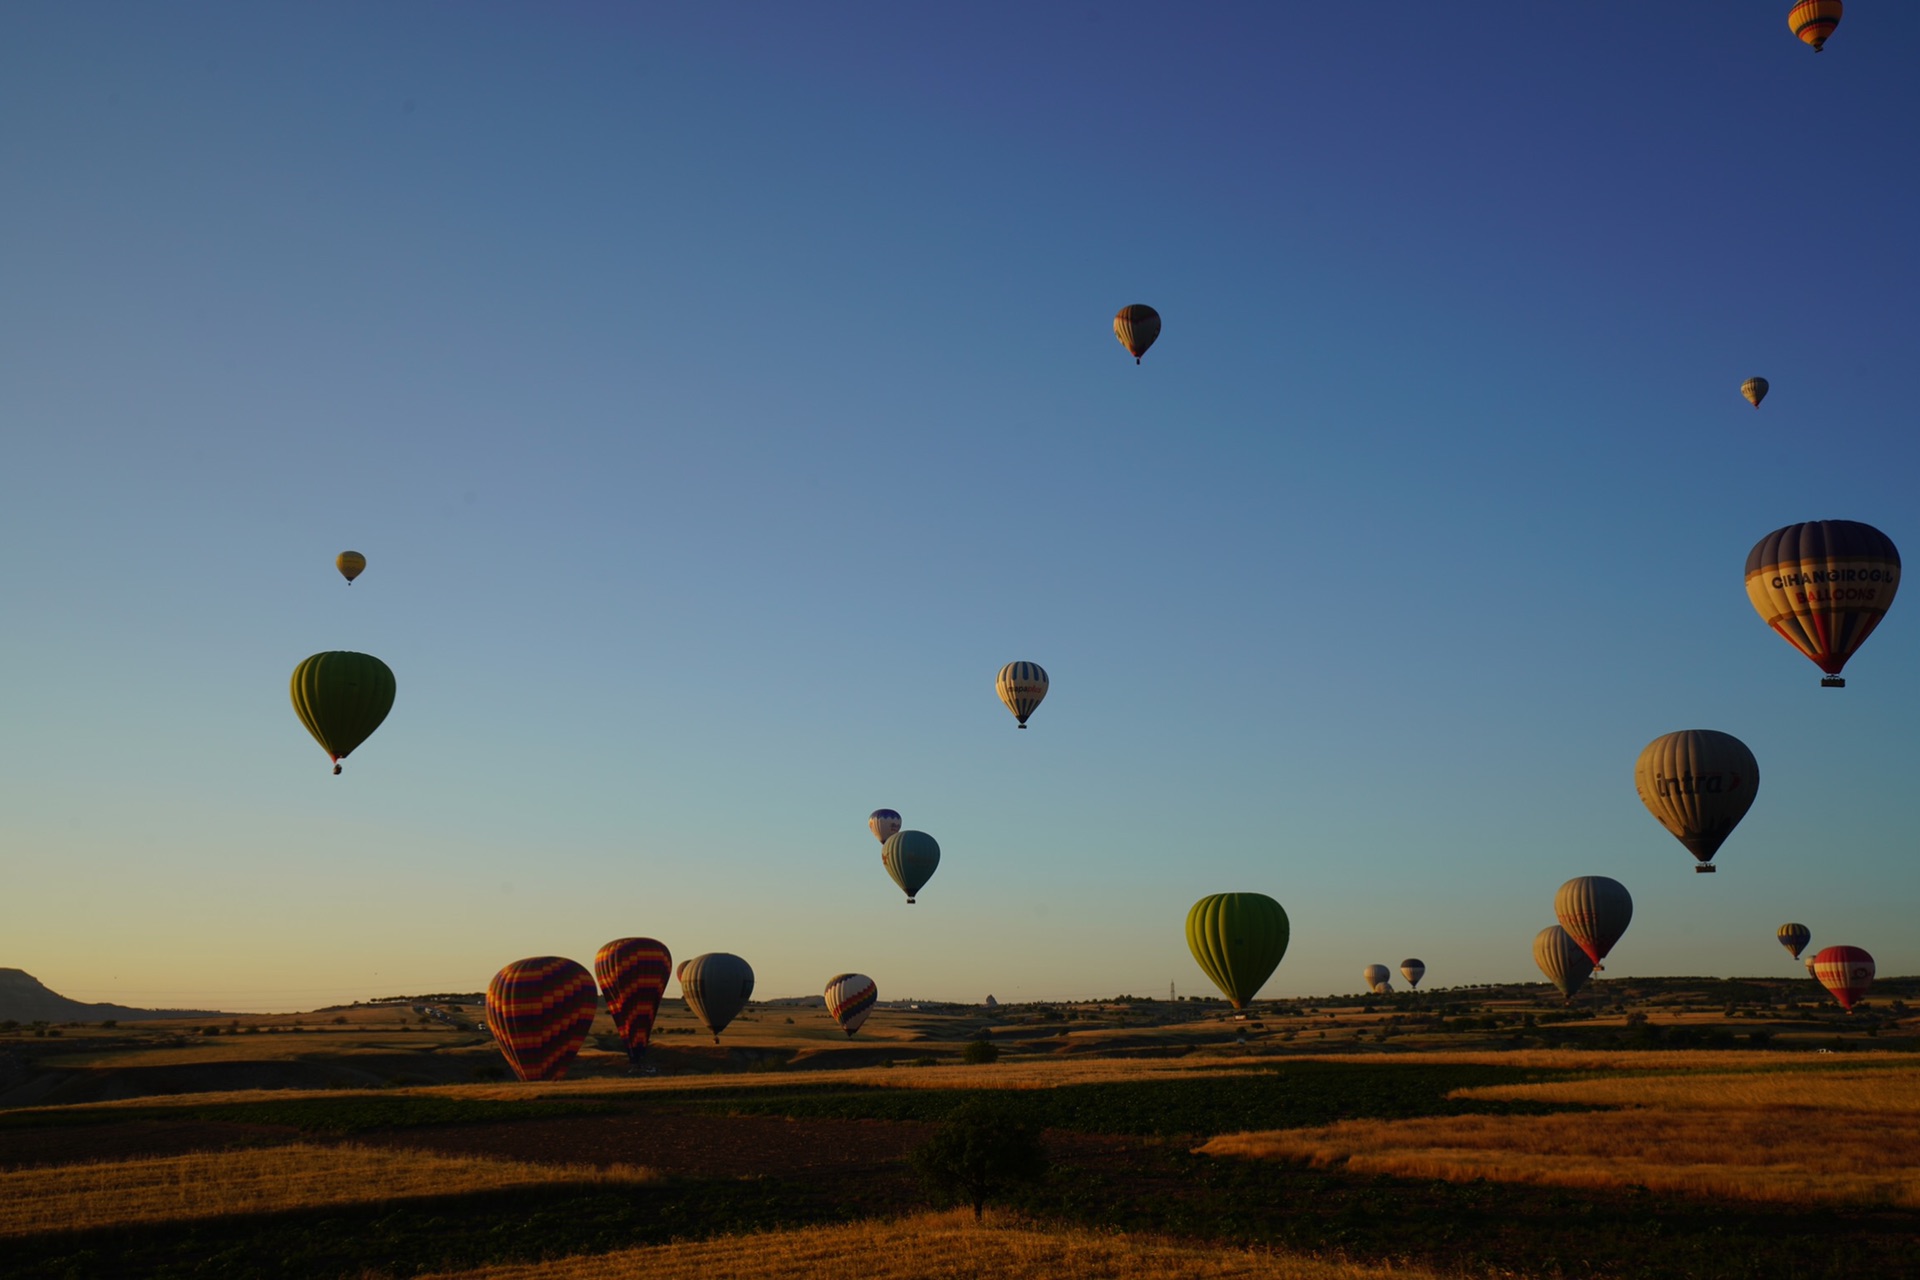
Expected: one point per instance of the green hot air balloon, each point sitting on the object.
(1238, 939)
(910, 857)
(342, 697)
(716, 987)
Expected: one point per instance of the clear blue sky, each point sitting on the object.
(721, 394)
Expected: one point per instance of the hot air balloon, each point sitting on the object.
(1699, 783)
(632, 973)
(850, 998)
(539, 1011)
(1136, 327)
(1238, 940)
(911, 858)
(716, 986)
(1566, 965)
(1755, 390)
(1378, 978)
(342, 697)
(1595, 911)
(1412, 971)
(883, 823)
(350, 564)
(1810, 972)
(1824, 586)
(1814, 20)
(1794, 937)
(1021, 686)
(1845, 971)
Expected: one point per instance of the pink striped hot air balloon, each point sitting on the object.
(1845, 971)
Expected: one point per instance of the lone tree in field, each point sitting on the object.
(977, 1152)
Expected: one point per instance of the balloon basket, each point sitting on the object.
(1832, 682)
(1705, 869)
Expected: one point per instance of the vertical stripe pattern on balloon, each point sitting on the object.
(1824, 585)
(1021, 685)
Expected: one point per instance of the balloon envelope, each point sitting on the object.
(1755, 390)
(911, 858)
(1814, 20)
(342, 697)
(1699, 783)
(1566, 965)
(1376, 976)
(539, 1010)
(632, 973)
(1021, 685)
(850, 998)
(1845, 971)
(1824, 586)
(1238, 940)
(1136, 327)
(717, 986)
(350, 564)
(883, 823)
(1794, 937)
(1412, 971)
(1595, 911)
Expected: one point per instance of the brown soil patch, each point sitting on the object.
(135, 1140)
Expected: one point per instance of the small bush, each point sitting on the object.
(978, 1151)
(980, 1052)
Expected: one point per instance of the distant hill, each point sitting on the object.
(24, 998)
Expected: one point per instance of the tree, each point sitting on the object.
(979, 1150)
(980, 1052)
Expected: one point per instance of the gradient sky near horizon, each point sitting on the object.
(722, 394)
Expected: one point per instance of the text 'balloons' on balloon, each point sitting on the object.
(883, 823)
(1566, 965)
(632, 973)
(1699, 783)
(1595, 911)
(1136, 327)
(1022, 686)
(1824, 585)
(911, 858)
(1814, 20)
(539, 1010)
(850, 998)
(1412, 971)
(1755, 390)
(1845, 971)
(716, 986)
(1378, 978)
(342, 697)
(1238, 940)
(351, 565)
(1794, 937)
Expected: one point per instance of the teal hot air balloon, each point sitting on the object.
(1238, 940)
(716, 987)
(911, 858)
(342, 697)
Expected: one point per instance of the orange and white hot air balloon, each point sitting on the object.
(1755, 390)
(1845, 971)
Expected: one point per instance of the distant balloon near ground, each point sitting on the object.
(883, 823)
(351, 565)
(1814, 20)
(911, 858)
(1794, 937)
(342, 697)
(632, 973)
(1412, 971)
(1238, 940)
(539, 1011)
(1136, 327)
(1566, 965)
(1595, 911)
(716, 987)
(1755, 390)
(1699, 783)
(1021, 685)
(1824, 586)
(1845, 971)
(850, 998)
(1378, 978)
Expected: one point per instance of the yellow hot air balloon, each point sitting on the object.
(1699, 783)
(1021, 685)
(1755, 390)
(351, 565)
(1136, 327)
(1824, 585)
(1814, 20)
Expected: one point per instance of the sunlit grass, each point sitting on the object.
(1878, 1090)
(948, 1246)
(301, 1176)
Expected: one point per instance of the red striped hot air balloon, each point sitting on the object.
(1814, 20)
(1595, 911)
(539, 1011)
(632, 973)
(1845, 971)
(1824, 586)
